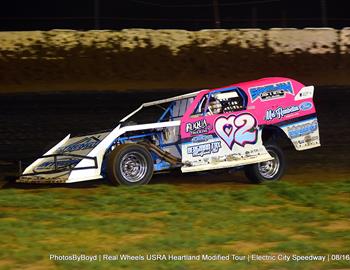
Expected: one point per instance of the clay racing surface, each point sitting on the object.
(32, 123)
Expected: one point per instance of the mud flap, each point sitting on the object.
(303, 134)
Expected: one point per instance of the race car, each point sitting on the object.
(236, 126)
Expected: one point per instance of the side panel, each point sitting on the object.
(100, 150)
(221, 141)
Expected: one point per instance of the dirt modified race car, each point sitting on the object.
(236, 126)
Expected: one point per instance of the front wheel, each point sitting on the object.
(267, 171)
(130, 164)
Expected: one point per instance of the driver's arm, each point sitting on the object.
(210, 111)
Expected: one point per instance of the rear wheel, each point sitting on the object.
(267, 171)
(130, 164)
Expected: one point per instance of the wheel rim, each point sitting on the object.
(269, 169)
(133, 167)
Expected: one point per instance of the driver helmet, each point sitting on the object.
(215, 106)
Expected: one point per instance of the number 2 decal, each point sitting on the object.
(239, 129)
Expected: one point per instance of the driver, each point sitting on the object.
(214, 107)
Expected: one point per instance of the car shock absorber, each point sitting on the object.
(162, 154)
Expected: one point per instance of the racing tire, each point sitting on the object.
(268, 171)
(129, 164)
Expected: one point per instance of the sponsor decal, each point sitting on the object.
(305, 106)
(198, 127)
(305, 92)
(280, 112)
(201, 138)
(271, 91)
(308, 138)
(86, 143)
(63, 163)
(204, 149)
(252, 152)
(241, 129)
(299, 130)
(306, 141)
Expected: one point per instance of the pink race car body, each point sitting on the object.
(235, 133)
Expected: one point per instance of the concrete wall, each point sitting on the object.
(143, 59)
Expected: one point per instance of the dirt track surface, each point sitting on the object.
(157, 59)
(32, 122)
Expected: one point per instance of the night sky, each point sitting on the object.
(176, 14)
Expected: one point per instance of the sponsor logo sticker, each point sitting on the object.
(204, 149)
(280, 112)
(299, 130)
(86, 143)
(198, 127)
(201, 138)
(62, 163)
(305, 106)
(271, 91)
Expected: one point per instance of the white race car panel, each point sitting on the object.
(227, 164)
(30, 168)
(303, 134)
(207, 152)
(69, 152)
(100, 150)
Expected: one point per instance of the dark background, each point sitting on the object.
(16, 15)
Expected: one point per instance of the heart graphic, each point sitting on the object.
(225, 129)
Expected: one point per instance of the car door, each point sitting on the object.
(218, 132)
